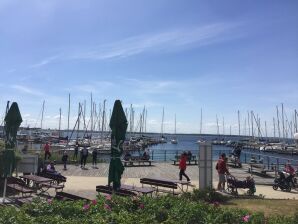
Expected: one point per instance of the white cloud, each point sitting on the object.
(27, 90)
(168, 41)
(45, 61)
(165, 41)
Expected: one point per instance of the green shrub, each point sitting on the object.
(193, 208)
(207, 195)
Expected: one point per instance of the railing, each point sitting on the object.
(169, 155)
(268, 160)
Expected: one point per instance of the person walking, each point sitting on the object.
(222, 169)
(84, 155)
(94, 158)
(47, 153)
(64, 159)
(182, 166)
(76, 151)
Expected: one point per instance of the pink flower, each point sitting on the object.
(246, 218)
(50, 201)
(108, 197)
(107, 207)
(94, 202)
(86, 207)
(141, 206)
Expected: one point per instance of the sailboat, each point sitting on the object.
(162, 138)
(201, 140)
(174, 140)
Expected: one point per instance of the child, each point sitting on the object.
(64, 159)
(94, 158)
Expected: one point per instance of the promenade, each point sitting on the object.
(83, 182)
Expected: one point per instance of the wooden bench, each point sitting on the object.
(57, 184)
(109, 190)
(141, 190)
(192, 161)
(21, 189)
(160, 183)
(19, 186)
(47, 186)
(139, 162)
(58, 179)
(68, 197)
(260, 167)
(232, 161)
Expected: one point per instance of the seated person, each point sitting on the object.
(25, 149)
(253, 159)
(127, 156)
(237, 151)
(145, 156)
(290, 173)
(51, 169)
(189, 155)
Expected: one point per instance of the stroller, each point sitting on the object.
(233, 184)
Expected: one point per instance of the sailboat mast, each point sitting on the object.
(85, 115)
(295, 120)
(252, 124)
(248, 122)
(103, 120)
(239, 122)
(79, 117)
(130, 121)
(283, 121)
(146, 121)
(201, 121)
(42, 114)
(266, 130)
(217, 125)
(274, 131)
(162, 120)
(68, 112)
(278, 126)
(91, 117)
(59, 122)
(244, 126)
(223, 126)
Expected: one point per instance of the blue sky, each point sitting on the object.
(221, 56)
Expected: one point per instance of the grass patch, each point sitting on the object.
(267, 206)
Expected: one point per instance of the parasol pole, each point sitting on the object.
(5, 184)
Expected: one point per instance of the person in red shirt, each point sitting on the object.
(182, 166)
(290, 171)
(222, 169)
(47, 151)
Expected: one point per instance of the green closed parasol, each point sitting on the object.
(13, 120)
(118, 125)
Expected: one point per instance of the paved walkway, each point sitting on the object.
(83, 182)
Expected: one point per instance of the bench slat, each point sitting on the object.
(160, 183)
(20, 188)
(109, 190)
